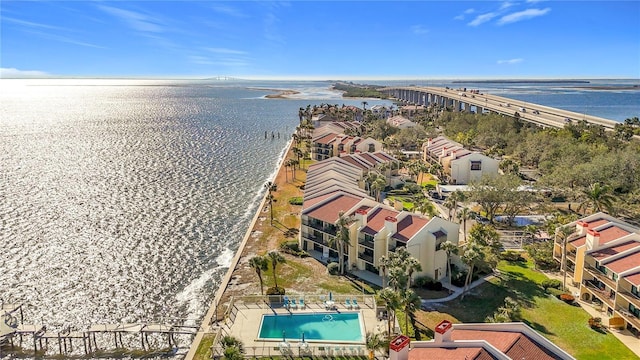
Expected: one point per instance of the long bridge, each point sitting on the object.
(465, 100)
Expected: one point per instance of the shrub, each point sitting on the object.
(293, 248)
(511, 256)
(275, 290)
(555, 292)
(568, 298)
(333, 268)
(551, 283)
(421, 281)
(428, 283)
(296, 200)
(595, 322)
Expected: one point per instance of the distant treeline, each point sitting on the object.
(354, 90)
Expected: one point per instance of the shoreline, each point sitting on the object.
(226, 279)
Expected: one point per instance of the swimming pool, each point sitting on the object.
(339, 327)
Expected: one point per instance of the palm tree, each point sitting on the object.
(598, 197)
(275, 258)
(391, 300)
(364, 105)
(385, 262)
(343, 238)
(397, 278)
(463, 215)
(450, 205)
(426, 207)
(271, 187)
(472, 255)
(373, 343)
(378, 185)
(409, 302)
(297, 152)
(233, 348)
(259, 264)
(456, 198)
(450, 248)
(412, 265)
(564, 233)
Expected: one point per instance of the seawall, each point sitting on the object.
(204, 326)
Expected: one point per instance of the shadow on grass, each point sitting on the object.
(538, 327)
(521, 288)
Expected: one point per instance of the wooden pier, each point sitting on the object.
(12, 327)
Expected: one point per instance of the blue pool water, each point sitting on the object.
(316, 326)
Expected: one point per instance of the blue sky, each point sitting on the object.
(321, 39)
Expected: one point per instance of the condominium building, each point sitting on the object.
(462, 166)
(334, 187)
(603, 260)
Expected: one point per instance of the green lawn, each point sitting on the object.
(563, 324)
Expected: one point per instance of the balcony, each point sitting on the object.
(571, 256)
(365, 257)
(628, 317)
(600, 276)
(367, 243)
(315, 239)
(603, 294)
(327, 229)
(630, 297)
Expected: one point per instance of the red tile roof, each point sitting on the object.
(634, 278)
(328, 212)
(607, 252)
(408, 227)
(375, 220)
(625, 263)
(326, 139)
(516, 345)
(597, 222)
(611, 233)
(579, 241)
(441, 353)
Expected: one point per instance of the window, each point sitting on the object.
(372, 148)
(341, 147)
(476, 165)
(634, 290)
(601, 268)
(353, 149)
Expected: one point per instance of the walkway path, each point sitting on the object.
(457, 291)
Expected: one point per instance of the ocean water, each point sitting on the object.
(125, 200)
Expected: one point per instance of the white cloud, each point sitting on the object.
(505, 5)
(522, 15)
(466, 12)
(9, 73)
(228, 10)
(226, 51)
(135, 20)
(481, 19)
(419, 29)
(31, 24)
(510, 61)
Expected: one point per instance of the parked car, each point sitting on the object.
(536, 112)
(482, 220)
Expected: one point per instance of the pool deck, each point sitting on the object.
(245, 319)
